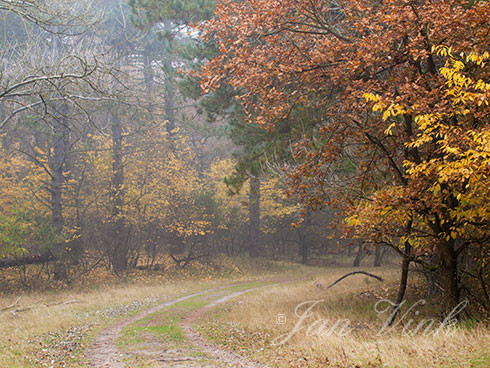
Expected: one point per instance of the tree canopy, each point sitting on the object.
(397, 95)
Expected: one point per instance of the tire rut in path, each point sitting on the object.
(230, 358)
(103, 353)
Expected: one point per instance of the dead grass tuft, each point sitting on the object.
(250, 324)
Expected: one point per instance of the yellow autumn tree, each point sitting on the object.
(443, 209)
(24, 215)
(275, 206)
(163, 185)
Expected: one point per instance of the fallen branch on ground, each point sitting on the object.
(16, 308)
(63, 303)
(16, 304)
(27, 260)
(379, 278)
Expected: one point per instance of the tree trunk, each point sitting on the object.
(57, 161)
(403, 283)
(451, 277)
(432, 275)
(358, 259)
(303, 247)
(148, 71)
(254, 217)
(169, 97)
(303, 244)
(118, 246)
(377, 256)
(169, 104)
(5, 138)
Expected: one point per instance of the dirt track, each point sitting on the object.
(190, 351)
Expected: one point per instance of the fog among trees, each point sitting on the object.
(136, 133)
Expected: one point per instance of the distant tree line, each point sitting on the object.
(111, 158)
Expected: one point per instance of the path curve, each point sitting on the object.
(103, 353)
(230, 358)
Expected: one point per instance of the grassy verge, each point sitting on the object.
(252, 326)
(159, 336)
(53, 328)
(165, 323)
(56, 336)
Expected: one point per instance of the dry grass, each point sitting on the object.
(51, 328)
(54, 334)
(35, 277)
(42, 333)
(249, 326)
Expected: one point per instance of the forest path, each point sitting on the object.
(163, 336)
